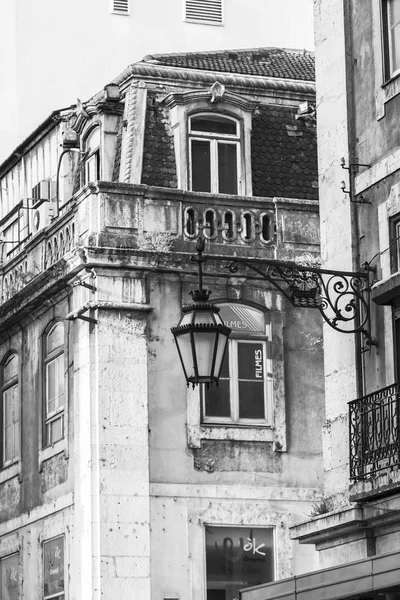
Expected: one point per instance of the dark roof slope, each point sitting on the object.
(263, 62)
(283, 154)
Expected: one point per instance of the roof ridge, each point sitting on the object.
(256, 50)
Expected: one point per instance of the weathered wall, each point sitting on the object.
(337, 227)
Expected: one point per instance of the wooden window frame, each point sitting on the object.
(13, 382)
(59, 412)
(234, 396)
(214, 140)
(394, 230)
(388, 70)
(92, 156)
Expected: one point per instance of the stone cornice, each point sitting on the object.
(273, 84)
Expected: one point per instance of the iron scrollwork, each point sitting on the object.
(341, 297)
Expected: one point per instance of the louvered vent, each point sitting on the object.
(204, 11)
(120, 7)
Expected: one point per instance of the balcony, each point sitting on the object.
(375, 434)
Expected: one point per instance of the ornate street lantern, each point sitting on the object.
(201, 337)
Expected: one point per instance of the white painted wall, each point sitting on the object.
(58, 51)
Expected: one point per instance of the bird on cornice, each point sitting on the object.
(217, 90)
(80, 109)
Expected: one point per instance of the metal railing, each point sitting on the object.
(374, 432)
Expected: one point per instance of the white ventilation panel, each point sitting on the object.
(120, 7)
(204, 11)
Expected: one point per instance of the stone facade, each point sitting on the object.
(119, 483)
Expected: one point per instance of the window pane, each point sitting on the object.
(394, 12)
(55, 339)
(93, 140)
(56, 430)
(251, 361)
(8, 407)
(53, 563)
(395, 49)
(242, 318)
(251, 400)
(51, 387)
(227, 168)
(213, 124)
(201, 171)
(10, 368)
(92, 168)
(60, 381)
(237, 557)
(8, 454)
(9, 578)
(217, 401)
(251, 380)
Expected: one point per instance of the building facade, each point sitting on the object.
(358, 101)
(83, 45)
(116, 479)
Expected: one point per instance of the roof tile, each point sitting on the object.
(265, 62)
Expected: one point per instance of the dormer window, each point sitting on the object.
(92, 157)
(214, 149)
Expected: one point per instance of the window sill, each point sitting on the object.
(50, 451)
(386, 291)
(240, 433)
(388, 90)
(11, 471)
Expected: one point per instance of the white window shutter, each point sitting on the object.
(120, 7)
(204, 11)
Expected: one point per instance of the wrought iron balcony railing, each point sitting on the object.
(375, 432)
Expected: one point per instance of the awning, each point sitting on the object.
(376, 574)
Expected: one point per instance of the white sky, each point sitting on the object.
(57, 51)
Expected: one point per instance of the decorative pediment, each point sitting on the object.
(215, 96)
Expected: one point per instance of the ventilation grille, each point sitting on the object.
(204, 11)
(120, 7)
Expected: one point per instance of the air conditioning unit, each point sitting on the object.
(44, 190)
(42, 216)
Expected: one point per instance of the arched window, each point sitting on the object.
(92, 156)
(54, 385)
(244, 393)
(214, 144)
(10, 412)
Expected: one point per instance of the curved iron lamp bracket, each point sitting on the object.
(342, 297)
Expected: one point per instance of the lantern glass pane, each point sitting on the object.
(222, 341)
(204, 343)
(204, 316)
(186, 319)
(185, 349)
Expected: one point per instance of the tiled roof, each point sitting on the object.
(262, 62)
(283, 154)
